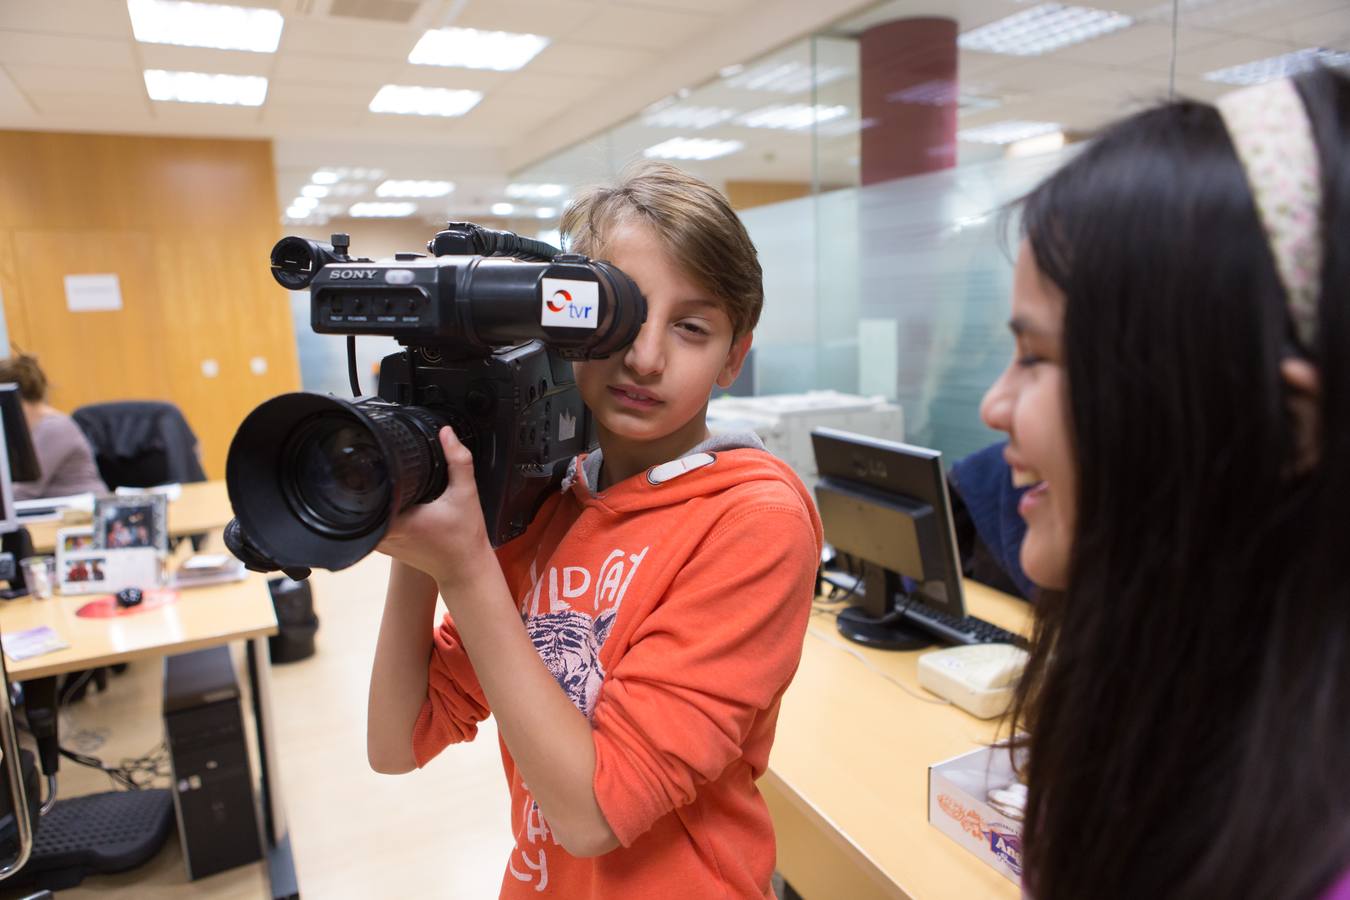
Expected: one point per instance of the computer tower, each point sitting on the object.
(212, 779)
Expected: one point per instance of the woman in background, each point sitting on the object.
(63, 451)
(1178, 402)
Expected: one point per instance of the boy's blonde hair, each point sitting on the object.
(701, 231)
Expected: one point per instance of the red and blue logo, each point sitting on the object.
(559, 301)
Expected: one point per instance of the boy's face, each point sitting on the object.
(649, 401)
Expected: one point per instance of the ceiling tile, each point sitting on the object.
(338, 71)
(1231, 52)
(129, 111)
(93, 53)
(14, 106)
(295, 93)
(551, 18)
(1329, 29)
(719, 7)
(626, 26)
(289, 112)
(93, 18)
(569, 57)
(68, 79)
(562, 90)
(365, 40)
(202, 59)
(452, 77)
(214, 118)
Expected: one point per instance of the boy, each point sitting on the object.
(665, 590)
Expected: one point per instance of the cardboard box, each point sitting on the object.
(957, 806)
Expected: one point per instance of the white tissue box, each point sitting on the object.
(958, 807)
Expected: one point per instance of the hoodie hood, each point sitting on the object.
(733, 459)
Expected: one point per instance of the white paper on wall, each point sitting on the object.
(93, 293)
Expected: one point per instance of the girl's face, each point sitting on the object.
(1030, 402)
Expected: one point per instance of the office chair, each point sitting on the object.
(140, 443)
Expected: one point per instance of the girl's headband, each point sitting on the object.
(1274, 140)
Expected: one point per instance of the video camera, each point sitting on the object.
(489, 322)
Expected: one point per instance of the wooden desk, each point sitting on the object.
(202, 506)
(201, 617)
(848, 777)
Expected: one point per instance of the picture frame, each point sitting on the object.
(102, 571)
(69, 540)
(124, 522)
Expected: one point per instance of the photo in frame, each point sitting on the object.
(129, 522)
(104, 571)
(69, 540)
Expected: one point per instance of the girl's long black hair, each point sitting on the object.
(1187, 703)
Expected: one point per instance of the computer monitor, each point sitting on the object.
(23, 461)
(885, 504)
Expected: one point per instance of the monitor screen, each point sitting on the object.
(885, 504)
(9, 520)
(23, 461)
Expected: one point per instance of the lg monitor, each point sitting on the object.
(885, 506)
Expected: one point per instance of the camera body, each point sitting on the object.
(314, 480)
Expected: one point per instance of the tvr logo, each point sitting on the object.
(569, 304)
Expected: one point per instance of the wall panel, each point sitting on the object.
(187, 226)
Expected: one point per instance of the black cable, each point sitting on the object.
(351, 366)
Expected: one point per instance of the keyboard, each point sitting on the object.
(964, 630)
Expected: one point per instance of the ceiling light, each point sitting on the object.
(696, 117)
(314, 190)
(324, 176)
(1263, 70)
(370, 210)
(424, 101)
(503, 209)
(396, 188)
(692, 148)
(297, 212)
(205, 25)
(786, 77)
(1041, 29)
(1006, 132)
(791, 116)
(304, 203)
(546, 212)
(200, 87)
(731, 71)
(1041, 143)
(531, 191)
(501, 51)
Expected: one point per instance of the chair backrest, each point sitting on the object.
(140, 443)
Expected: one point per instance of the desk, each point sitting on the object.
(202, 506)
(201, 617)
(848, 776)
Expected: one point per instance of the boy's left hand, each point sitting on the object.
(445, 538)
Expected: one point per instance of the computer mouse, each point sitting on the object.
(128, 597)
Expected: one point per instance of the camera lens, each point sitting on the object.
(339, 482)
(314, 480)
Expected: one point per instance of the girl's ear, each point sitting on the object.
(1304, 402)
(735, 360)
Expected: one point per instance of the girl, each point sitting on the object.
(1178, 399)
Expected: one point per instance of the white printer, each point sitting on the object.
(784, 422)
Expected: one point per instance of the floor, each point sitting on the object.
(442, 832)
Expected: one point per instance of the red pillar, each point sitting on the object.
(908, 87)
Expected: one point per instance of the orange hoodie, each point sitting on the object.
(671, 608)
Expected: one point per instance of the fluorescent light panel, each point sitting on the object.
(791, 116)
(202, 87)
(409, 188)
(1042, 29)
(503, 209)
(1007, 132)
(381, 210)
(534, 191)
(692, 148)
(786, 77)
(1283, 66)
(695, 117)
(469, 48)
(408, 100)
(205, 25)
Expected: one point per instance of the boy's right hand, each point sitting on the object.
(447, 537)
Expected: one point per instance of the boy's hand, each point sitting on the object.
(445, 538)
